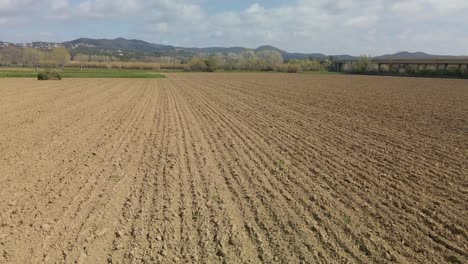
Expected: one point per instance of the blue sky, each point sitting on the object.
(329, 26)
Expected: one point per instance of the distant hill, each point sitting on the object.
(410, 55)
(121, 45)
(292, 56)
(134, 48)
(213, 50)
(129, 45)
(6, 44)
(344, 57)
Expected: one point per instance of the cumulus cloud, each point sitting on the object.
(106, 8)
(449, 6)
(408, 7)
(12, 7)
(339, 26)
(362, 21)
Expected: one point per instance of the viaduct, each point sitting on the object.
(396, 64)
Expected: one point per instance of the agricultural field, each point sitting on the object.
(234, 168)
(80, 73)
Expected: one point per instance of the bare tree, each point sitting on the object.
(270, 57)
(11, 55)
(32, 57)
(60, 55)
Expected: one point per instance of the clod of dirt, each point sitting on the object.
(101, 232)
(365, 249)
(46, 227)
(453, 259)
(82, 258)
(221, 253)
(119, 233)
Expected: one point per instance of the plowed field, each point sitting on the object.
(273, 168)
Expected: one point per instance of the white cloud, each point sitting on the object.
(408, 7)
(449, 6)
(162, 27)
(339, 26)
(3, 21)
(59, 5)
(362, 21)
(12, 7)
(107, 8)
(255, 8)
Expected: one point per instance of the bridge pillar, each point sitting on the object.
(445, 66)
(399, 67)
(339, 67)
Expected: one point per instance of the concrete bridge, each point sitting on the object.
(396, 64)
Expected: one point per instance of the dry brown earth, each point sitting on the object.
(273, 168)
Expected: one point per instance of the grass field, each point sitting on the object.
(7, 72)
(234, 168)
(321, 72)
(82, 73)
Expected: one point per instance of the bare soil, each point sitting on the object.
(272, 168)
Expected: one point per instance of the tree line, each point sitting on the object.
(265, 60)
(32, 57)
(365, 65)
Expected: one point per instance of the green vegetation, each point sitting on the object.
(454, 259)
(347, 220)
(320, 72)
(82, 73)
(280, 164)
(49, 74)
(363, 65)
(264, 60)
(366, 66)
(59, 57)
(83, 64)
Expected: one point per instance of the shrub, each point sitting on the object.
(310, 65)
(197, 64)
(363, 65)
(212, 64)
(287, 67)
(281, 67)
(49, 74)
(293, 68)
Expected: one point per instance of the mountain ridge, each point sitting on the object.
(136, 47)
(411, 55)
